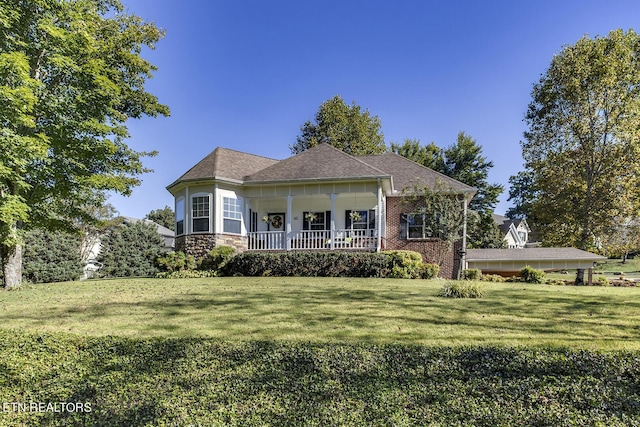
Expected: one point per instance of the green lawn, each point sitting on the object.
(326, 310)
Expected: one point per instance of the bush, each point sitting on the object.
(185, 274)
(472, 274)
(217, 258)
(493, 278)
(602, 281)
(461, 289)
(51, 257)
(429, 271)
(303, 263)
(176, 261)
(405, 264)
(531, 275)
(130, 251)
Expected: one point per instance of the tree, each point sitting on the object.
(430, 156)
(464, 162)
(345, 127)
(130, 250)
(164, 217)
(522, 194)
(582, 145)
(52, 257)
(439, 210)
(71, 75)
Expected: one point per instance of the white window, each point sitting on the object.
(417, 226)
(180, 216)
(200, 213)
(231, 215)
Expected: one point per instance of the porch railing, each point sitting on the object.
(345, 239)
(266, 240)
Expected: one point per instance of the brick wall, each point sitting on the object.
(432, 250)
(199, 245)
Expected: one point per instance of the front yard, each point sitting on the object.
(331, 310)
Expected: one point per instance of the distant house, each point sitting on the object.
(320, 199)
(516, 231)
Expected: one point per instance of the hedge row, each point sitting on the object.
(398, 264)
(128, 382)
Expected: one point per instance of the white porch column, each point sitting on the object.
(215, 212)
(287, 234)
(332, 233)
(379, 218)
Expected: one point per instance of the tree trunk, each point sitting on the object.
(580, 277)
(12, 266)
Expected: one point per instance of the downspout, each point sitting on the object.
(463, 250)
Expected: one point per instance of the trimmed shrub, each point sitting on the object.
(472, 274)
(303, 263)
(51, 257)
(461, 289)
(176, 261)
(531, 275)
(405, 264)
(602, 281)
(217, 258)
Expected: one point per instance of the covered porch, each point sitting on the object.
(331, 221)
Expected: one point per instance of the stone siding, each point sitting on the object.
(432, 250)
(199, 245)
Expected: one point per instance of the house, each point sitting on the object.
(320, 199)
(516, 231)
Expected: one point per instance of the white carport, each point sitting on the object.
(508, 262)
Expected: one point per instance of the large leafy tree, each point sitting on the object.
(582, 145)
(430, 156)
(343, 126)
(71, 75)
(164, 217)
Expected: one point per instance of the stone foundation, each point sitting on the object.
(199, 245)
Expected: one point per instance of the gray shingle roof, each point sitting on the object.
(406, 173)
(530, 254)
(320, 162)
(226, 163)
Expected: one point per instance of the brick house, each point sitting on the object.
(320, 199)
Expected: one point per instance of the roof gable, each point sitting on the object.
(320, 162)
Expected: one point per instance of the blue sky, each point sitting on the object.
(247, 74)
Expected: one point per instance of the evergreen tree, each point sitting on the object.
(51, 257)
(130, 251)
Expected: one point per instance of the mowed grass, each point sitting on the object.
(325, 310)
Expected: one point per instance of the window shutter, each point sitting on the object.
(347, 221)
(327, 220)
(404, 228)
(305, 223)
